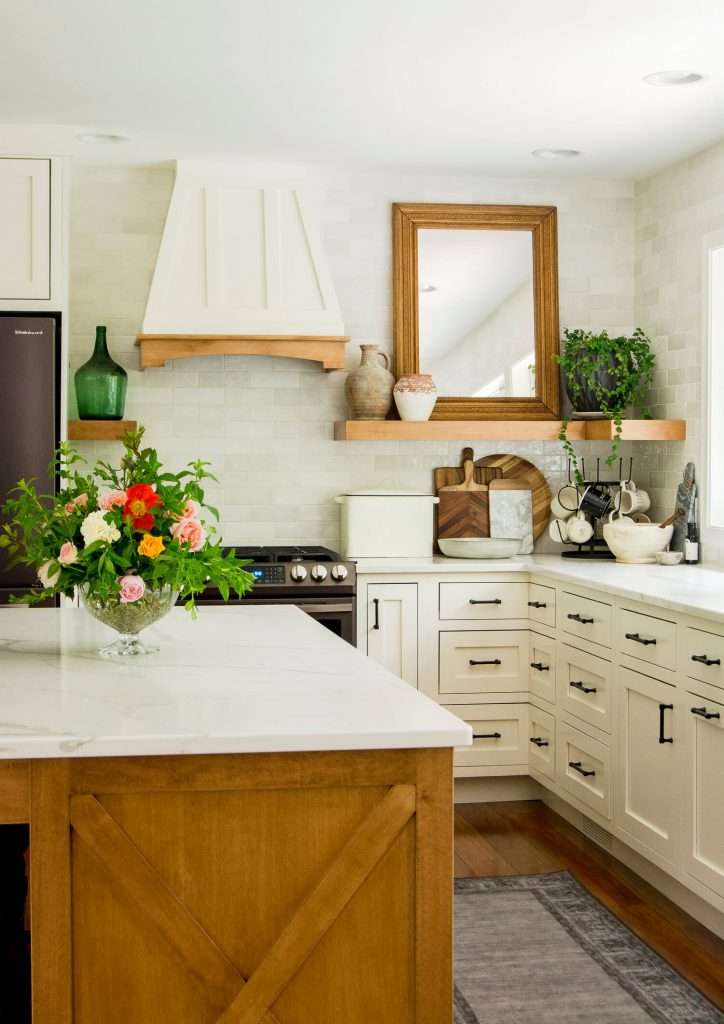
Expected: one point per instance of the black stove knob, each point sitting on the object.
(339, 573)
(298, 573)
(319, 572)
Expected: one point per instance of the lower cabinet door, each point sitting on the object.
(704, 856)
(584, 768)
(649, 763)
(392, 628)
(500, 736)
(542, 744)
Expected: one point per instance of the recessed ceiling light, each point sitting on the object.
(672, 78)
(556, 154)
(100, 138)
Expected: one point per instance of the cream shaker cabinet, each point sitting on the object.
(391, 625)
(704, 854)
(25, 235)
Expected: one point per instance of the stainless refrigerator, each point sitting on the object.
(30, 367)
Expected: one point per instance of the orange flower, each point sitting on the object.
(150, 546)
(141, 500)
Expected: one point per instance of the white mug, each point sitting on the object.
(558, 530)
(565, 503)
(579, 529)
(633, 500)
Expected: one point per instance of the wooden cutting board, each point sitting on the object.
(463, 507)
(512, 467)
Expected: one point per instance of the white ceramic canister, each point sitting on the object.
(386, 524)
(415, 396)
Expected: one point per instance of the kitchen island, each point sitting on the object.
(254, 824)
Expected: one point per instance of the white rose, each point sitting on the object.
(94, 527)
(48, 573)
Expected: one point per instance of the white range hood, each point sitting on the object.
(241, 268)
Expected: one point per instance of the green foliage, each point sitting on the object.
(36, 525)
(617, 372)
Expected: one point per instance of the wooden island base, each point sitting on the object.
(303, 888)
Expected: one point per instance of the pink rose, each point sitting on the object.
(132, 588)
(111, 499)
(68, 553)
(191, 532)
(80, 502)
(192, 509)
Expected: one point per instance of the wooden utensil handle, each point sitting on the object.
(671, 519)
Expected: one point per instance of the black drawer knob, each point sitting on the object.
(577, 684)
(537, 604)
(490, 661)
(578, 767)
(539, 741)
(637, 638)
(539, 666)
(703, 660)
(703, 713)
(487, 735)
(492, 600)
(575, 617)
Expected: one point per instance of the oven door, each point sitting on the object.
(336, 614)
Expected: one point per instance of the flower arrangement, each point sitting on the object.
(122, 536)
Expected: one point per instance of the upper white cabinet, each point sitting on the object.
(391, 619)
(25, 234)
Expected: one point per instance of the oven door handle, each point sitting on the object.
(310, 609)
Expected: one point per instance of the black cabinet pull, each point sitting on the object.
(539, 666)
(578, 685)
(493, 600)
(576, 766)
(580, 618)
(703, 660)
(637, 638)
(537, 604)
(662, 709)
(491, 661)
(487, 735)
(539, 741)
(376, 603)
(703, 713)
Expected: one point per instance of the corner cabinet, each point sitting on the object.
(390, 624)
(704, 855)
(25, 236)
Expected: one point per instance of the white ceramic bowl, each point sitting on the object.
(636, 543)
(669, 557)
(479, 547)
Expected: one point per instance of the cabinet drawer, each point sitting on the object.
(585, 686)
(647, 638)
(542, 668)
(542, 742)
(486, 600)
(584, 768)
(704, 656)
(477, 661)
(542, 604)
(500, 735)
(586, 618)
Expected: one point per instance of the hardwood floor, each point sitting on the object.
(526, 837)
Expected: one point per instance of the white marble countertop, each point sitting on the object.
(236, 680)
(695, 589)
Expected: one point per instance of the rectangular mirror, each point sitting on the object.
(476, 306)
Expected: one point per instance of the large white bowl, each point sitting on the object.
(479, 547)
(636, 543)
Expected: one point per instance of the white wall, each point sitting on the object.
(267, 424)
(675, 209)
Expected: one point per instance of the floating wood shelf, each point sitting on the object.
(157, 349)
(506, 430)
(99, 430)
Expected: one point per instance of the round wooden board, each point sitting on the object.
(512, 467)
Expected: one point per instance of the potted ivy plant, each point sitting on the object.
(604, 376)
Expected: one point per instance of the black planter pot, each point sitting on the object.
(586, 402)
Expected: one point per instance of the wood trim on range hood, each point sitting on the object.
(241, 270)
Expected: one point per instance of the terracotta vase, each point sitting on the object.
(369, 387)
(415, 396)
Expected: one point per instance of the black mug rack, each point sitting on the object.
(596, 547)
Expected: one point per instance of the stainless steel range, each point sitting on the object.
(315, 579)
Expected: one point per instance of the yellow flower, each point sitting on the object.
(150, 546)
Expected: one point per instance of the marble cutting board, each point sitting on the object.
(511, 512)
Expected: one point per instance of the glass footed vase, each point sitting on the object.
(129, 619)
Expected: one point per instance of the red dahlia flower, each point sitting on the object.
(140, 502)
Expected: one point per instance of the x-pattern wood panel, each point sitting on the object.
(235, 999)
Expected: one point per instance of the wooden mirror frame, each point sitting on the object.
(407, 220)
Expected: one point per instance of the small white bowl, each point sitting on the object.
(479, 547)
(669, 557)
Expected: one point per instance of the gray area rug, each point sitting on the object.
(540, 949)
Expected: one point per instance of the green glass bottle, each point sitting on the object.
(100, 384)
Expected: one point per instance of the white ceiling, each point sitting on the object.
(462, 85)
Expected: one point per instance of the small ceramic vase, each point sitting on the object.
(415, 396)
(369, 387)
